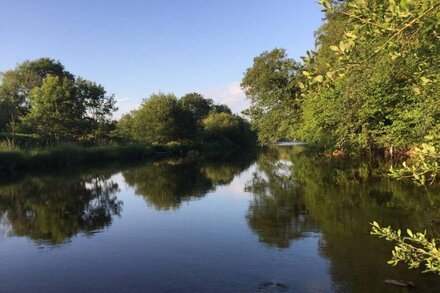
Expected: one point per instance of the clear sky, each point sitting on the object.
(137, 47)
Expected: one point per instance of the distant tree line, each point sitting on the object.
(163, 118)
(42, 100)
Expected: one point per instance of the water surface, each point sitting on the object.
(279, 221)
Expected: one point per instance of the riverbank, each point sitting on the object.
(14, 160)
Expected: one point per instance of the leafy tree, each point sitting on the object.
(228, 128)
(221, 108)
(371, 84)
(17, 85)
(159, 120)
(98, 108)
(196, 104)
(271, 85)
(373, 79)
(124, 127)
(56, 113)
(62, 110)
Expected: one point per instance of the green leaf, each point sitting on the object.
(318, 79)
(334, 48)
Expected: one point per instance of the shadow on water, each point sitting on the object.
(295, 194)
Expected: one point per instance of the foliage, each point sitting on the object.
(423, 167)
(164, 119)
(414, 249)
(222, 126)
(271, 85)
(17, 85)
(41, 97)
(124, 127)
(159, 120)
(196, 104)
(62, 110)
(371, 84)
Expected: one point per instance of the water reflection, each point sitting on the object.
(167, 183)
(53, 209)
(277, 212)
(310, 215)
(295, 193)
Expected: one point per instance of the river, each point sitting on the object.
(275, 221)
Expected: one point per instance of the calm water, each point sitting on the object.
(279, 221)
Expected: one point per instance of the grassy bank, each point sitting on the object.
(63, 156)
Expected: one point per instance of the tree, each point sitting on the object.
(271, 85)
(158, 120)
(17, 84)
(66, 110)
(228, 128)
(373, 79)
(98, 108)
(221, 108)
(196, 104)
(124, 127)
(55, 112)
(371, 84)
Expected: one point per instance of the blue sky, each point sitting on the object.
(135, 48)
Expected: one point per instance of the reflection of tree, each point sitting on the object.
(277, 213)
(166, 184)
(54, 209)
(344, 200)
(341, 199)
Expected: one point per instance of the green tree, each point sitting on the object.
(98, 108)
(228, 128)
(271, 85)
(159, 120)
(17, 84)
(196, 104)
(373, 80)
(62, 110)
(124, 127)
(55, 112)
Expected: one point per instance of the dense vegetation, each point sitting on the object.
(372, 84)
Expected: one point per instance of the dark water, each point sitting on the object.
(279, 221)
